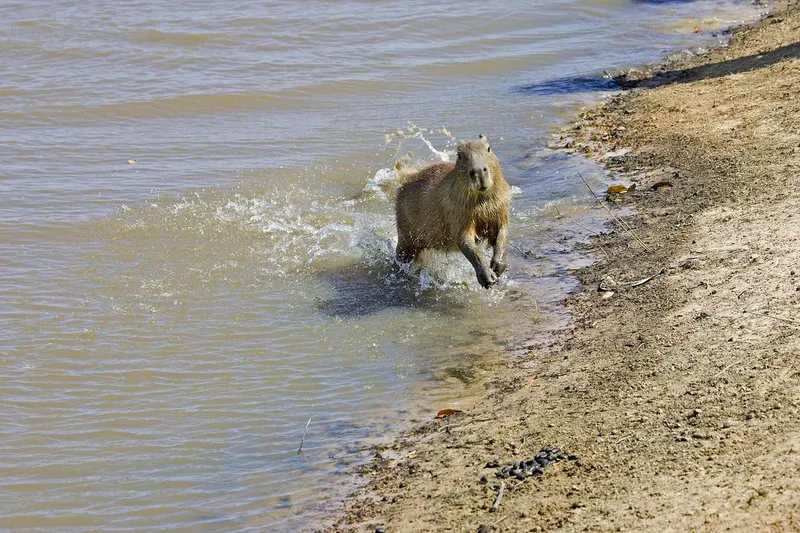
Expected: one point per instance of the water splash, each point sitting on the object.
(413, 151)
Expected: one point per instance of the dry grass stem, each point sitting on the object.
(618, 220)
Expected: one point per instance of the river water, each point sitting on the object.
(196, 237)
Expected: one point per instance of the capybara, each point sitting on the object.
(456, 206)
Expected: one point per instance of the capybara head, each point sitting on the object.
(476, 162)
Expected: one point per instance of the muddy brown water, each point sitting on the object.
(168, 325)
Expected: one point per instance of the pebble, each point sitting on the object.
(484, 528)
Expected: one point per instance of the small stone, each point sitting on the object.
(484, 528)
(380, 530)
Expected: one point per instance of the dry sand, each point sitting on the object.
(679, 398)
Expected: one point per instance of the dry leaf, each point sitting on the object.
(617, 189)
(444, 413)
(133, 161)
(661, 186)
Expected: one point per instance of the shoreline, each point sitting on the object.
(674, 397)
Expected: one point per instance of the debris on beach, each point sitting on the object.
(661, 186)
(444, 413)
(533, 467)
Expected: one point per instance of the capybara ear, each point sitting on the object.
(483, 138)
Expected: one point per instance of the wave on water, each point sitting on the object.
(176, 38)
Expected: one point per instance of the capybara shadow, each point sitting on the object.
(360, 291)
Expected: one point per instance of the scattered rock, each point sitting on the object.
(534, 466)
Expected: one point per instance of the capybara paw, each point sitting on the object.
(487, 279)
(499, 267)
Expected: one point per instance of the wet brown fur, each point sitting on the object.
(441, 207)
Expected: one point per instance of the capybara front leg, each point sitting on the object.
(499, 263)
(406, 251)
(486, 277)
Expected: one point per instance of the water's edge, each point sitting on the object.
(593, 221)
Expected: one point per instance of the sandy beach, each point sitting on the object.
(673, 402)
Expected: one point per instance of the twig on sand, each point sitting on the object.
(500, 519)
(645, 280)
(303, 440)
(626, 437)
(773, 317)
(499, 499)
(718, 374)
(618, 220)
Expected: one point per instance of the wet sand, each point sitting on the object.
(675, 396)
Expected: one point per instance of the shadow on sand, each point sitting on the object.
(714, 70)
